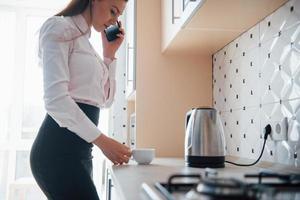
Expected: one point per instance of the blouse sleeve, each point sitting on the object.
(54, 47)
(111, 65)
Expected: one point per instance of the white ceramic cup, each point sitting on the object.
(143, 156)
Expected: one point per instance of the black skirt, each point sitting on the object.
(61, 161)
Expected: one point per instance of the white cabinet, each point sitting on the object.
(111, 193)
(132, 131)
(130, 47)
(204, 26)
(175, 14)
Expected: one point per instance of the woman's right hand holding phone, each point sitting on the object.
(116, 152)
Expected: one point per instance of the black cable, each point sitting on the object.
(268, 130)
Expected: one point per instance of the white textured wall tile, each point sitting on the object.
(256, 81)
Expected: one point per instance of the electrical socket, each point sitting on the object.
(279, 129)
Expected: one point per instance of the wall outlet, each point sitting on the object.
(279, 130)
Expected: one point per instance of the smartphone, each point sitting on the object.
(112, 31)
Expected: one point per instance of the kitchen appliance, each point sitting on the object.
(263, 185)
(204, 139)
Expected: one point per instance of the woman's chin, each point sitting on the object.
(99, 29)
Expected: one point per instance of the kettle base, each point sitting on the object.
(205, 161)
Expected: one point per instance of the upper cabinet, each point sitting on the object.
(205, 26)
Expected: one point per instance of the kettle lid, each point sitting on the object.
(204, 108)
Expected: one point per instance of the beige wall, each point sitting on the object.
(167, 86)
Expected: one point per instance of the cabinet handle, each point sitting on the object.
(128, 47)
(173, 12)
(109, 189)
(127, 61)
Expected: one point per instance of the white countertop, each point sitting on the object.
(129, 178)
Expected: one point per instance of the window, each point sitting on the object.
(21, 86)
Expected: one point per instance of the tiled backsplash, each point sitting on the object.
(256, 81)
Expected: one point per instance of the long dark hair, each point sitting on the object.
(75, 7)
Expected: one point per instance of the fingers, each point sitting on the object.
(120, 160)
(117, 153)
(123, 159)
(127, 152)
(119, 23)
(122, 31)
(120, 36)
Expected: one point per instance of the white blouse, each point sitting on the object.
(73, 72)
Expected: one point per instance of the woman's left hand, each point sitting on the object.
(110, 48)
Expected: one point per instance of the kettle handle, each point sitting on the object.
(189, 116)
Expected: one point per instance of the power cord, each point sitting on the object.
(267, 131)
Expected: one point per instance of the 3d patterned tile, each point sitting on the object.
(251, 90)
(249, 39)
(267, 31)
(223, 117)
(218, 58)
(280, 17)
(275, 112)
(261, 85)
(284, 152)
(271, 79)
(267, 113)
(291, 63)
(293, 15)
(219, 98)
(231, 133)
(250, 132)
(232, 50)
(291, 38)
(292, 108)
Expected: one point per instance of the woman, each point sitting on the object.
(77, 83)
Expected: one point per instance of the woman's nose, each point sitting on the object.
(114, 20)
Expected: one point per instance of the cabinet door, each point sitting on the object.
(111, 193)
(132, 131)
(171, 13)
(130, 46)
(175, 15)
(130, 69)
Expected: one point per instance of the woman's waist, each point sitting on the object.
(91, 97)
(87, 102)
(91, 111)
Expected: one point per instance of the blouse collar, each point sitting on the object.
(81, 24)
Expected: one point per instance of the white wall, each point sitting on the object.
(256, 82)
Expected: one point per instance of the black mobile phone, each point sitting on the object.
(112, 31)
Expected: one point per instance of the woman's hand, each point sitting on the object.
(113, 150)
(110, 48)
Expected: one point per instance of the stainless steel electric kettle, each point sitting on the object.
(204, 139)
